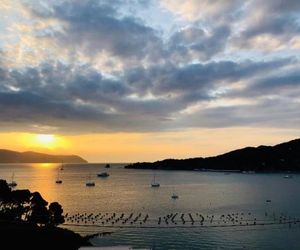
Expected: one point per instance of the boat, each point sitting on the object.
(90, 183)
(104, 174)
(107, 166)
(62, 167)
(288, 176)
(154, 183)
(174, 196)
(12, 184)
(58, 181)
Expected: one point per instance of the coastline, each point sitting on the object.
(279, 158)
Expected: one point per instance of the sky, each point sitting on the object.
(143, 80)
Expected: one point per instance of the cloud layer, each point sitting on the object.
(91, 66)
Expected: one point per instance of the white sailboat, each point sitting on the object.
(89, 182)
(58, 180)
(154, 183)
(12, 183)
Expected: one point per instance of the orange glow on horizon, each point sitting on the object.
(42, 142)
(132, 147)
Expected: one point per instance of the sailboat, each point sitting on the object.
(154, 183)
(90, 183)
(12, 183)
(58, 181)
(62, 166)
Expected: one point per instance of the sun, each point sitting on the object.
(45, 140)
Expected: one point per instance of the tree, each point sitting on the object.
(39, 213)
(22, 205)
(55, 214)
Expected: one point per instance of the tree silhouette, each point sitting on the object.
(55, 214)
(22, 205)
(38, 210)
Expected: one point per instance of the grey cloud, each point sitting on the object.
(266, 113)
(201, 77)
(278, 19)
(278, 25)
(194, 43)
(285, 84)
(95, 26)
(56, 94)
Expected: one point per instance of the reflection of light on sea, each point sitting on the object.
(43, 180)
(46, 165)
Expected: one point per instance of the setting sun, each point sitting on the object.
(43, 142)
(45, 139)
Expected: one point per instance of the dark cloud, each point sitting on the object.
(170, 79)
(285, 84)
(56, 94)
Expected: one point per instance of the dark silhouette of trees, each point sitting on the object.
(55, 214)
(39, 213)
(24, 206)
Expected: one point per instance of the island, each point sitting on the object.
(9, 156)
(281, 157)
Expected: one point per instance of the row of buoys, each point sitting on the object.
(106, 218)
(230, 219)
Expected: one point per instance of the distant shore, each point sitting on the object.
(9, 156)
(279, 158)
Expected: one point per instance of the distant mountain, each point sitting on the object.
(8, 156)
(282, 157)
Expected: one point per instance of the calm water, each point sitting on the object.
(208, 193)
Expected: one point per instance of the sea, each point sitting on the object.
(213, 210)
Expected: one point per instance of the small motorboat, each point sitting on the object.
(268, 200)
(174, 196)
(90, 184)
(288, 176)
(104, 174)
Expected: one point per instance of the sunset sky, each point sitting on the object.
(143, 80)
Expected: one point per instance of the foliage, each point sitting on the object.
(22, 205)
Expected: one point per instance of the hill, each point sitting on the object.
(8, 156)
(281, 157)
